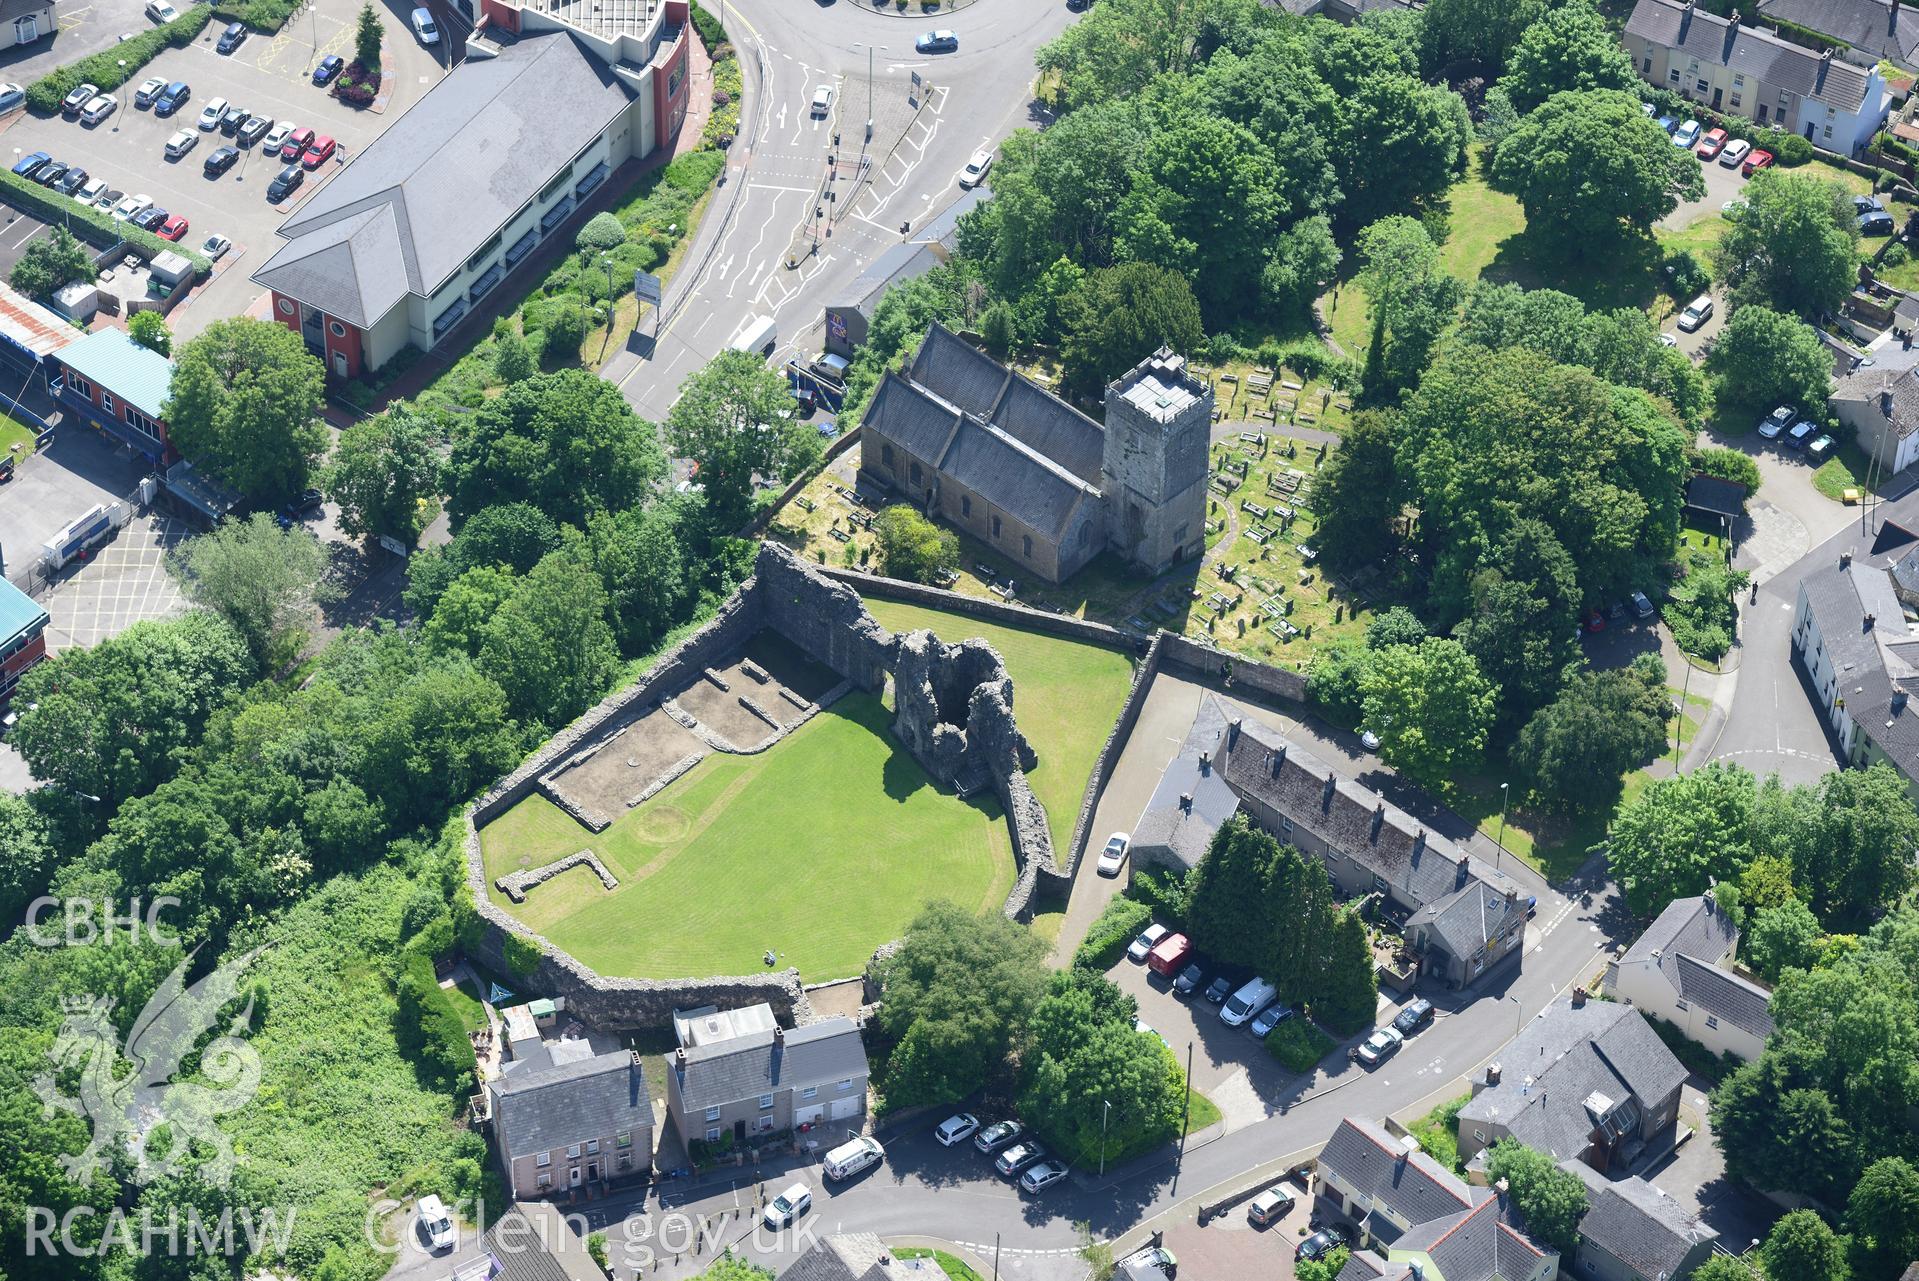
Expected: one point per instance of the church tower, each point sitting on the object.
(1154, 468)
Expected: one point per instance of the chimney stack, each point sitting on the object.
(1379, 816)
(1463, 874)
(1579, 997)
(1869, 619)
(1232, 732)
(1186, 801)
(1885, 397)
(1492, 1073)
(1205, 764)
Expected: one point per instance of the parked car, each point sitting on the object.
(221, 160)
(215, 247)
(851, 1157)
(787, 1206)
(1246, 1003)
(28, 165)
(82, 94)
(1151, 1256)
(1686, 134)
(12, 96)
(91, 193)
(73, 180)
(150, 219)
(1668, 123)
(330, 66)
(231, 121)
(937, 42)
(51, 172)
(1269, 1207)
(160, 11)
(1219, 989)
(1867, 204)
(108, 200)
(172, 98)
(180, 143)
(1018, 1157)
(1773, 425)
(276, 138)
(1415, 1016)
(1877, 223)
(1820, 449)
(149, 90)
(1324, 1241)
(1380, 1046)
(1801, 434)
(436, 1225)
(976, 169)
(1710, 146)
(822, 100)
(1114, 855)
(955, 1129)
(285, 183)
(296, 144)
(1641, 605)
(998, 1135)
(232, 38)
(252, 130)
(307, 503)
(213, 113)
(1755, 162)
(1368, 740)
(423, 27)
(1042, 1176)
(1144, 944)
(1697, 313)
(1734, 153)
(1189, 980)
(1269, 1018)
(318, 152)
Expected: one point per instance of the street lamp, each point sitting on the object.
(1499, 858)
(870, 49)
(1106, 1109)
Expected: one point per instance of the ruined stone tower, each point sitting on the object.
(1153, 470)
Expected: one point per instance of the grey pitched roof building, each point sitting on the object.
(1873, 29)
(571, 1110)
(1632, 1226)
(1480, 1244)
(855, 1256)
(1364, 1157)
(1586, 1079)
(533, 1242)
(748, 1066)
(1687, 949)
(1850, 634)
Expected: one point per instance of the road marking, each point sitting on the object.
(32, 231)
(768, 186)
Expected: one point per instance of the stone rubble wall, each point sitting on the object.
(515, 884)
(661, 783)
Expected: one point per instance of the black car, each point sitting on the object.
(74, 179)
(1324, 1241)
(1219, 989)
(220, 161)
(231, 121)
(231, 38)
(285, 183)
(1188, 981)
(307, 504)
(1417, 1015)
(1876, 223)
(329, 67)
(253, 130)
(51, 172)
(151, 219)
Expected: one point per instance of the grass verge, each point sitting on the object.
(949, 1264)
(1438, 1133)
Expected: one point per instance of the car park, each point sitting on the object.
(276, 138)
(1801, 434)
(161, 11)
(1710, 146)
(172, 98)
(1114, 855)
(149, 90)
(1380, 1046)
(998, 1135)
(92, 192)
(285, 183)
(180, 143)
(1820, 449)
(71, 181)
(295, 144)
(822, 100)
(51, 172)
(955, 1129)
(215, 247)
(82, 94)
(330, 66)
(1269, 1018)
(174, 229)
(1686, 134)
(1269, 1207)
(1219, 989)
(1773, 425)
(1144, 944)
(1042, 1176)
(1755, 162)
(214, 112)
(1415, 1016)
(27, 166)
(232, 38)
(1641, 605)
(787, 1206)
(976, 169)
(1246, 1003)
(253, 130)
(1189, 980)
(937, 42)
(424, 28)
(1016, 1158)
(1734, 153)
(1323, 1242)
(1697, 313)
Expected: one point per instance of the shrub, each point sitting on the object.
(429, 1027)
(1686, 278)
(1164, 892)
(260, 15)
(1729, 464)
(712, 34)
(1116, 927)
(1298, 1044)
(118, 63)
(1793, 150)
(1897, 255)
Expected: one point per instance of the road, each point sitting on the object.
(777, 170)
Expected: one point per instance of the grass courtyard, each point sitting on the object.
(822, 848)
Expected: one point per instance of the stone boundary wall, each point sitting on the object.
(841, 443)
(1278, 682)
(1038, 620)
(1109, 753)
(515, 884)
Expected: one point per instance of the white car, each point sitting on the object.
(161, 11)
(99, 109)
(276, 138)
(436, 1225)
(149, 90)
(1148, 938)
(423, 27)
(130, 206)
(1380, 1046)
(787, 1206)
(1686, 135)
(955, 1129)
(1774, 425)
(822, 100)
(182, 141)
(92, 192)
(1369, 740)
(211, 113)
(975, 171)
(1114, 855)
(1734, 152)
(216, 248)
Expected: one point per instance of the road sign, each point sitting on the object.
(916, 80)
(646, 287)
(393, 545)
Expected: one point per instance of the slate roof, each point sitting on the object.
(1875, 667)
(1364, 1265)
(1468, 919)
(1714, 496)
(1721, 993)
(11, 9)
(1030, 486)
(1563, 1057)
(553, 1097)
(412, 208)
(1367, 1158)
(1637, 1224)
(852, 1256)
(1693, 926)
(1480, 1244)
(1185, 831)
(533, 1242)
(746, 1067)
(1869, 384)
(962, 375)
(138, 375)
(1874, 27)
(1754, 51)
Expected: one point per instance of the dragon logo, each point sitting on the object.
(127, 1105)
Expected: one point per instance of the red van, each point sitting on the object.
(1169, 955)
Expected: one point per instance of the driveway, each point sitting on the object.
(1722, 184)
(1695, 1176)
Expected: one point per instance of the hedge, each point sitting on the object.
(429, 1028)
(261, 15)
(1298, 1044)
(1163, 892)
(91, 225)
(105, 68)
(1116, 927)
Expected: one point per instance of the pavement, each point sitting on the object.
(777, 171)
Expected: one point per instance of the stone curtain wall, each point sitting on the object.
(1109, 753)
(1065, 626)
(824, 618)
(1204, 660)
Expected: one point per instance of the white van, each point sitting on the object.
(849, 1158)
(759, 333)
(1247, 1002)
(436, 1225)
(423, 27)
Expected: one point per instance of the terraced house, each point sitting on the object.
(737, 1073)
(1747, 71)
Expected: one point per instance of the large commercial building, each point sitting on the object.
(496, 159)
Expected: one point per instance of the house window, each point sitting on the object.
(545, 1180)
(966, 505)
(1026, 545)
(1673, 75)
(886, 455)
(1739, 82)
(140, 422)
(592, 1146)
(996, 527)
(1645, 68)
(573, 1152)
(286, 306)
(1682, 1005)
(1479, 1135)
(845, 1085)
(766, 1103)
(624, 1139)
(1379, 883)
(712, 1134)
(106, 401)
(1735, 100)
(1828, 131)
(335, 328)
(81, 387)
(479, 255)
(809, 1091)
(1703, 86)
(1286, 828)
(712, 1114)
(916, 473)
(545, 1158)
(560, 180)
(1712, 1021)
(764, 1124)
(1179, 535)
(1589, 1266)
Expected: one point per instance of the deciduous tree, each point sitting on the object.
(1801, 1247)
(260, 578)
(1430, 706)
(1410, 300)
(149, 329)
(1792, 247)
(736, 419)
(1552, 1200)
(1120, 315)
(549, 646)
(1882, 1217)
(49, 264)
(1569, 48)
(913, 547)
(385, 474)
(1682, 833)
(1424, 128)
(1095, 1086)
(243, 402)
(1765, 358)
(1577, 749)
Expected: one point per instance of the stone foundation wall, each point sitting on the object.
(515, 884)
